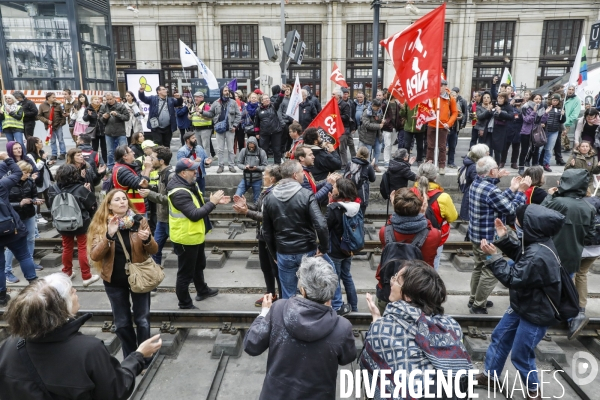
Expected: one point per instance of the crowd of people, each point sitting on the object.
(310, 205)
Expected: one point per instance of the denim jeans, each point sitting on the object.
(31, 225)
(369, 147)
(288, 265)
(342, 268)
(21, 252)
(161, 234)
(245, 185)
(452, 142)
(201, 181)
(122, 308)
(16, 137)
(549, 147)
(112, 142)
(515, 334)
(438, 256)
(58, 134)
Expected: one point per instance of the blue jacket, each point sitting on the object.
(183, 120)
(184, 152)
(152, 101)
(11, 175)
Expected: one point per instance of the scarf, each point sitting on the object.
(251, 109)
(51, 119)
(96, 107)
(409, 225)
(10, 107)
(125, 222)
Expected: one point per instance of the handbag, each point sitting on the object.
(538, 136)
(222, 126)
(154, 120)
(142, 277)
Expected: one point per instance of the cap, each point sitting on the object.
(444, 82)
(456, 89)
(258, 91)
(556, 96)
(345, 90)
(187, 135)
(199, 94)
(148, 143)
(185, 164)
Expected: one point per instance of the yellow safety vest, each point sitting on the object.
(153, 174)
(181, 229)
(199, 120)
(10, 122)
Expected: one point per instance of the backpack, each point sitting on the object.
(91, 155)
(393, 256)
(462, 178)
(354, 173)
(353, 238)
(66, 214)
(430, 214)
(384, 186)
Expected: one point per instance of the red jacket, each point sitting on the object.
(429, 249)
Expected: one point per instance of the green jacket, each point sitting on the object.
(410, 119)
(579, 226)
(572, 110)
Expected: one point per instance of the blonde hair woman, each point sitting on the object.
(116, 224)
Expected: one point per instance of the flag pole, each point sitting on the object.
(387, 105)
(437, 133)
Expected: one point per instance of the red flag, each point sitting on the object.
(329, 123)
(417, 56)
(425, 113)
(396, 90)
(337, 77)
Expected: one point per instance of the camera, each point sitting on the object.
(137, 115)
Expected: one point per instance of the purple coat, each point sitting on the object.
(531, 118)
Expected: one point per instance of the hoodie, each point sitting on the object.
(567, 200)
(335, 223)
(253, 158)
(300, 330)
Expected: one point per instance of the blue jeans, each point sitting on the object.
(161, 234)
(16, 137)
(288, 265)
(31, 225)
(201, 181)
(21, 252)
(516, 334)
(245, 185)
(549, 147)
(438, 256)
(369, 147)
(112, 142)
(58, 134)
(122, 308)
(342, 267)
(452, 142)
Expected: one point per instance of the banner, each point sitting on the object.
(329, 123)
(416, 53)
(150, 81)
(293, 108)
(337, 77)
(189, 59)
(425, 113)
(578, 75)
(396, 90)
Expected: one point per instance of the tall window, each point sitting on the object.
(240, 51)
(359, 52)
(445, 50)
(173, 73)
(493, 52)
(560, 42)
(124, 49)
(309, 71)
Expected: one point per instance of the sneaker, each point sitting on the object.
(452, 166)
(10, 278)
(88, 282)
(344, 309)
(577, 324)
(232, 168)
(220, 170)
(208, 292)
(41, 220)
(547, 168)
(477, 310)
(72, 274)
(38, 267)
(53, 158)
(442, 171)
(61, 157)
(488, 304)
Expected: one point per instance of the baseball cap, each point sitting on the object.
(148, 143)
(199, 94)
(186, 164)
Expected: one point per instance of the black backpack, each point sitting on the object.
(429, 214)
(384, 186)
(393, 256)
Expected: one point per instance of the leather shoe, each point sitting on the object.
(514, 166)
(206, 293)
(535, 395)
(478, 310)
(577, 324)
(560, 162)
(501, 165)
(488, 304)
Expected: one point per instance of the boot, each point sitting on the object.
(4, 298)
(560, 162)
(577, 324)
(206, 293)
(501, 165)
(514, 165)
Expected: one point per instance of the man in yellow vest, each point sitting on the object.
(188, 225)
(202, 125)
(11, 115)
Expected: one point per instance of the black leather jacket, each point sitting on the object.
(292, 220)
(267, 120)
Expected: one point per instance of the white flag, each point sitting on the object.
(293, 108)
(578, 77)
(189, 59)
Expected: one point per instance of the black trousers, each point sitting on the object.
(191, 262)
(162, 136)
(421, 143)
(28, 128)
(528, 153)
(100, 142)
(240, 138)
(474, 137)
(515, 151)
(268, 268)
(558, 148)
(274, 141)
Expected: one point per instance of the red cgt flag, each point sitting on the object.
(396, 90)
(417, 56)
(337, 77)
(329, 123)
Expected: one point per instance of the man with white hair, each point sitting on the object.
(303, 327)
(486, 203)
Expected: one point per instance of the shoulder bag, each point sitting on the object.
(538, 136)
(143, 277)
(154, 120)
